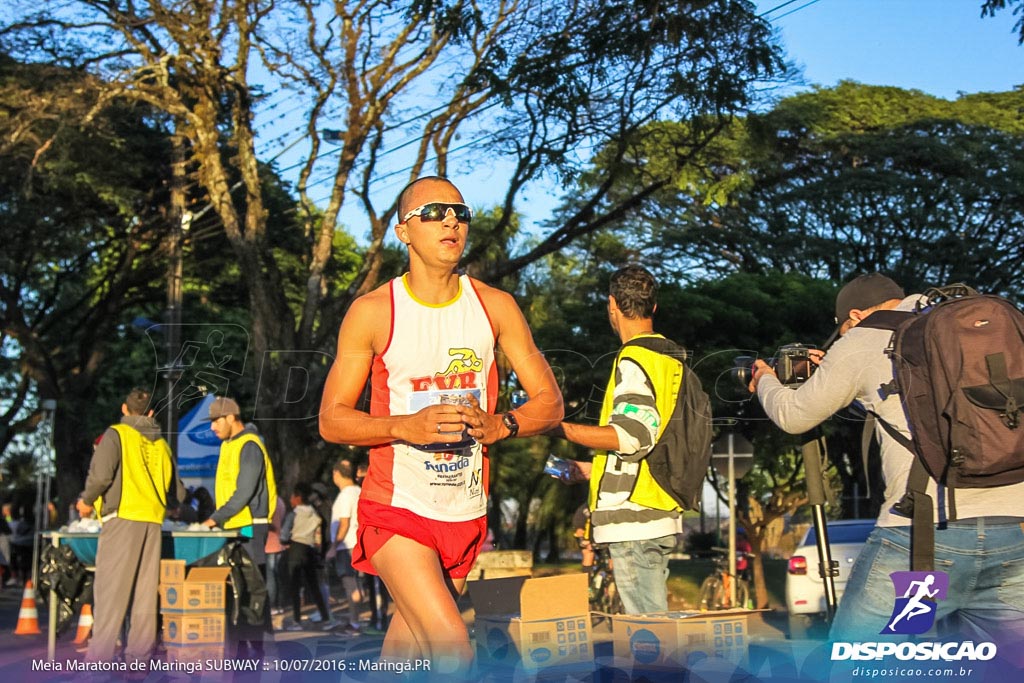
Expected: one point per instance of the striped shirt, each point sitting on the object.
(636, 420)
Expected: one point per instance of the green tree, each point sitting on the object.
(82, 276)
(853, 179)
(83, 237)
(990, 7)
(533, 83)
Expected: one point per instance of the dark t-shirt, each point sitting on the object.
(580, 517)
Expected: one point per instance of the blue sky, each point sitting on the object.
(937, 46)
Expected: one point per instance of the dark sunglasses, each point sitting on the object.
(436, 211)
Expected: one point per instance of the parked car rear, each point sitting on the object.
(805, 590)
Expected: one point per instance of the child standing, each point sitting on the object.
(302, 530)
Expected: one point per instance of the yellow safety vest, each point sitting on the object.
(226, 480)
(146, 475)
(665, 374)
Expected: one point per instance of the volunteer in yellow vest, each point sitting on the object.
(630, 513)
(246, 497)
(130, 480)
(244, 488)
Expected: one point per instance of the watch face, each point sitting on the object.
(511, 423)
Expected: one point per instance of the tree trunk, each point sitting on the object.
(760, 586)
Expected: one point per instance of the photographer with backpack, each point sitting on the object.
(977, 529)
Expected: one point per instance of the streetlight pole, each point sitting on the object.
(732, 521)
(43, 481)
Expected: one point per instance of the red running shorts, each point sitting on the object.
(457, 544)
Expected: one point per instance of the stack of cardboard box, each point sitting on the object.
(538, 622)
(666, 640)
(192, 609)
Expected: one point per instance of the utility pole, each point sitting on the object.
(179, 220)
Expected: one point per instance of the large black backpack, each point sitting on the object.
(679, 461)
(958, 366)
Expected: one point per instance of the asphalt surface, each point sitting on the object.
(27, 654)
(295, 655)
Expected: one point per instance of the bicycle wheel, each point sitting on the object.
(596, 590)
(601, 602)
(710, 594)
(614, 600)
(742, 594)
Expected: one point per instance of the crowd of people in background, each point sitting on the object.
(16, 530)
(309, 560)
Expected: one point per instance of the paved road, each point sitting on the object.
(22, 657)
(26, 654)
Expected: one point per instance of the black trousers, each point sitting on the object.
(302, 561)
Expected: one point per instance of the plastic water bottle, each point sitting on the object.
(558, 468)
(518, 398)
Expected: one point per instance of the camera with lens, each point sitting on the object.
(792, 365)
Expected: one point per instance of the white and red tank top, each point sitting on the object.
(434, 352)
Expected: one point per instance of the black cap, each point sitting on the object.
(861, 293)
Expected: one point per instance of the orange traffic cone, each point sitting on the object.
(28, 617)
(84, 625)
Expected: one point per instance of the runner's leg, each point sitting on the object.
(425, 600)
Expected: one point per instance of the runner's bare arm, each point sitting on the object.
(544, 408)
(363, 333)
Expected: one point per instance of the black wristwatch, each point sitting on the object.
(511, 423)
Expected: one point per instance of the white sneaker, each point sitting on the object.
(331, 624)
(315, 618)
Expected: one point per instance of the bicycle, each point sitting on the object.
(603, 594)
(715, 590)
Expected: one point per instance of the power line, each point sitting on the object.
(793, 11)
(767, 12)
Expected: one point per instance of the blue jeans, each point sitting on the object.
(275, 578)
(985, 601)
(641, 569)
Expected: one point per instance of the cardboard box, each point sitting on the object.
(193, 628)
(495, 564)
(540, 622)
(172, 571)
(203, 590)
(195, 653)
(665, 640)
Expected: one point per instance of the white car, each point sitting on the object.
(805, 589)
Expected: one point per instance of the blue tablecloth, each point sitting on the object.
(190, 546)
(84, 547)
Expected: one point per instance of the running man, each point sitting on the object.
(915, 607)
(427, 343)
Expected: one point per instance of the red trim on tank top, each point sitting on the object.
(391, 318)
(483, 306)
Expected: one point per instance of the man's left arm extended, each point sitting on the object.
(592, 436)
(634, 422)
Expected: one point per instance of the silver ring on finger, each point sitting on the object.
(438, 427)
